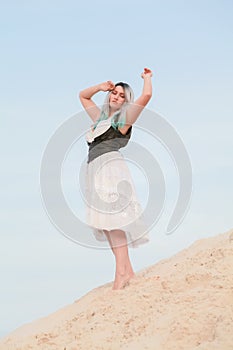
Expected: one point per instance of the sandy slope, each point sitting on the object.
(189, 306)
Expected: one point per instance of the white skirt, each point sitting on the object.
(111, 199)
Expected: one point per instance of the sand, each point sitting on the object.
(184, 302)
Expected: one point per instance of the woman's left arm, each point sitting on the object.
(137, 106)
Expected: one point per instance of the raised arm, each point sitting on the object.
(137, 106)
(85, 97)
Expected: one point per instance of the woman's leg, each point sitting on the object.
(124, 270)
(109, 239)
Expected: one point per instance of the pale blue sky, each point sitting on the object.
(50, 51)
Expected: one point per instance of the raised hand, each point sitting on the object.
(147, 73)
(107, 86)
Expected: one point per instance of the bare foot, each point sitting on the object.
(121, 281)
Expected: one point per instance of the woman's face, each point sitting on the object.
(117, 98)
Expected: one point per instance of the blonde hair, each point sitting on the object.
(119, 117)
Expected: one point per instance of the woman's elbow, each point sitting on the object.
(80, 94)
(147, 97)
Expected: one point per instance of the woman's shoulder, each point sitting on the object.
(125, 130)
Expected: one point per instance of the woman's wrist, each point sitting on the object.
(147, 77)
(147, 86)
(99, 87)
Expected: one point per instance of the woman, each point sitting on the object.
(113, 211)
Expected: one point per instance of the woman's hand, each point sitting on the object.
(147, 73)
(107, 86)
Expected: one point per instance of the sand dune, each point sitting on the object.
(184, 302)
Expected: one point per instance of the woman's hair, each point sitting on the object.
(118, 119)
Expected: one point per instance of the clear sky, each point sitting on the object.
(49, 52)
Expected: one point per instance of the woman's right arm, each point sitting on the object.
(85, 97)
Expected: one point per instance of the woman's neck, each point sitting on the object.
(111, 112)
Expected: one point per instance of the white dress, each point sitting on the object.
(111, 197)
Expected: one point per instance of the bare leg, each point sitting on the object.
(124, 271)
(109, 239)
